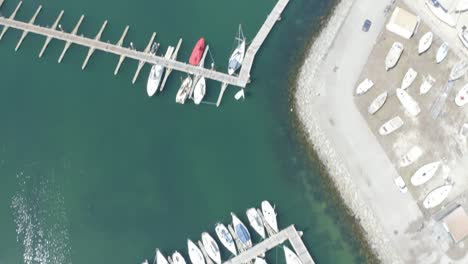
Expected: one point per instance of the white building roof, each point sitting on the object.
(457, 224)
(402, 23)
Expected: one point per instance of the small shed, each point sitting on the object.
(456, 223)
(403, 23)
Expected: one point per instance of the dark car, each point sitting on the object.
(367, 24)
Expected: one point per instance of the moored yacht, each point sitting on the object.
(241, 231)
(256, 221)
(195, 254)
(160, 259)
(270, 215)
(291, 257)
(184, 90)
(237, 56)
(225, 238)
(199, 90)
(211, 247)
(177, 258)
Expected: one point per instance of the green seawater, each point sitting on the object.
(94, 171)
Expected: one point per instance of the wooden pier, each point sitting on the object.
(290, 233)
(142, 57)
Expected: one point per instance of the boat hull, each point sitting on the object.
(410, 105)
(199, 91)
(442, 52)
(236, 59)
(393, 55)
(154, 79)
(377, 103)
(437, 196)
(364, 86)
(195, 254)
(256, 221)
(462, 96)
(270, 215)
(211, 247)
(411, 156)
(197, 52)
(225, 238)
(425, 173)
(241, 231)
(177, 258)
(425, 42)
(409, 78)
(391, 125)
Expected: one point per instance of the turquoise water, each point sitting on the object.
(94, 171)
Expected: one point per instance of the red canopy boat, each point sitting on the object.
(197, 52)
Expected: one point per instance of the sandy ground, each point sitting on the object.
(396, 227)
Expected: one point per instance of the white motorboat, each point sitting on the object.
(241, 232)
(154, 79)
(409, 78)
(440, 13)
(425, 42)
(411, 156)
(458, 70)
(364, 86)
(256, 221)
(259, 260)
(463, 36)
(442, 52)
(410, 105)
(177, 258)
(437, 196)
(426, 85)
(237, 56)
(195, 254)
(291, 257)
(391, 125)
(425, 173)
(225, 237)
(184, 90)
(199, 91)
(377, 103)
(211, 247)
(160, 259)
(270, 215)
(240, 94)
(393, 55)
(462, 96)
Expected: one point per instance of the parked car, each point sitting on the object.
(367, 24)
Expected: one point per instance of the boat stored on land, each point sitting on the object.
(237, 56)
(391, 125)
(184, 90)
(291, 257)
(270, 215)
(225, 237)
(177, 258)
(411, 156)
(426, 85)
(410, 105)
(409, 78)
(440, 13)
(211, 247)
(377, 103)
(393, 55)
(241, 231)
(437, 196)
(197, 52)
(462, 96)
(364, 86)
(256, 221)
(458, 70)
(160, 259)
(425, 173)
(442, 52)
(199, 90)
(195, 254)
(425, 42)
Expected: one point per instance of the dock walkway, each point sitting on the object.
(290, 233)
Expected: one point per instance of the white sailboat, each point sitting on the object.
(270, 215)
(184, 90)
(393, 55)
(160, 259)
(463, 36)
(154, 78)
(177, 258)
(409, 78)
(425, 173)
(410, 105)
(199, 91)
(291, 257)
(391, 125)
(195, 254)
(256, 221)
(411, 156)
(241, 231)
(458, 70)
(437, 196)
(240, 94)
(442, 52)
(462, 96)
(225, 237)
(259, 261)
(237, 56)
(425, 42)
(377, 103)
(364, 86)
(211, 247)
(440, 13)
(426, 85)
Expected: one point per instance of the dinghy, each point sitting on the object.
(391, 125)
(378, 102)
(462, 96)
(364, 86)
(393, 55)
(458, 70)
(240, 94)
(410, 105)
(437, 196)
(426, 85)
(442, 52)
(411, 156)
(425, 173)
(425, 42)
(409, 78)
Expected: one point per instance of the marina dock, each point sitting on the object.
(142, 56)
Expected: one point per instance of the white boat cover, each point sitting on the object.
(425, 173)
(437, 196)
